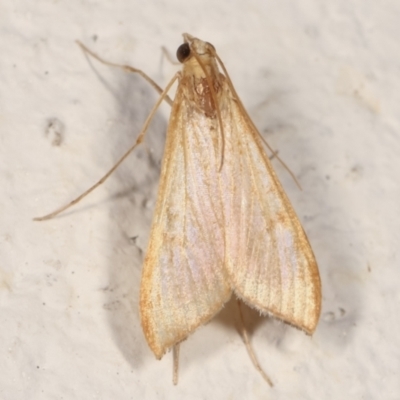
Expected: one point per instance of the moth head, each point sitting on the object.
(193, 45)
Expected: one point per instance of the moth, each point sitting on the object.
(222, 224)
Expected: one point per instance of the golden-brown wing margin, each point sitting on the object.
(270, 262)
(184, 283)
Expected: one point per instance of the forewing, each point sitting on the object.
(269, 259)
(184, 283)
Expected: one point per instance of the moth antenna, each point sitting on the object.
(175, 354)
(249, 348)
(119, 162)
(126, 68)
(252, 124)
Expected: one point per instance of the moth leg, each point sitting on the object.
(249, 348)
(273, 155)
(126, 68)
(119, 162)
(175, 354)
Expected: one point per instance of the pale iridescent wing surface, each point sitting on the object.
(270, 262)
(184, 283)
(222, 221)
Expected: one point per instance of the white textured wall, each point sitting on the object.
(321, 81)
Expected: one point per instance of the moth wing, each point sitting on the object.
(184, 283)
(269, 259)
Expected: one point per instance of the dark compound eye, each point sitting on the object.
(183, 52)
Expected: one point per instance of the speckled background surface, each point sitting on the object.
(321, 81)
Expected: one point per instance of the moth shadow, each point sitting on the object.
(133, 184)
(205, 345)
(230, 317)
(305, 145)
